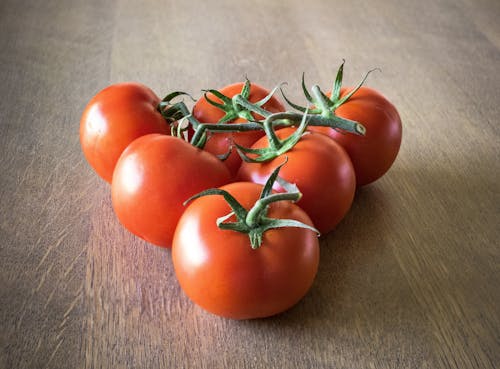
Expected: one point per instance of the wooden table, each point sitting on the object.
(410, 278)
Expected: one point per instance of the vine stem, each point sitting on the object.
(278, 119)
(322, 101)
(290, 118)
(255, 221)
(256, 212)
(274, 141)
(204, 127)
(240, 100)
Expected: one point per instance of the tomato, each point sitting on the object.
(219, 270)
(220, 143)
(322, 171)
(114, 118)
(373, 154)
(153, 177)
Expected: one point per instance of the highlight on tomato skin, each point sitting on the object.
(220, 271)
(115, 117)
(153, 177)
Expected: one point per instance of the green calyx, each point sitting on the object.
(238, 106)
(322, 113)
(279, 146)
(174, 112)
(179, 117)
(324, 105)
(276, 146)
(255, 222)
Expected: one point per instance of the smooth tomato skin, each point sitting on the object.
(115, 117)
(373, 154)
(220, 143)
(219, 271)
(153, 177)
(322, 171)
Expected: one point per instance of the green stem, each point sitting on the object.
(256, 213)
(339, 102)
(284, 118)
(172, 112)
(274, 142)
(335, 122)
(240, 100)
(255, 221)
(322, 101)
(204, 127)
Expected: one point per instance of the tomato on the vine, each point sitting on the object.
(371, 154)
(319, 167)
(220, 143)
(115, 117)
(153, 177)
(220, 271)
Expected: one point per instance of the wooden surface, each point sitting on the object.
(410, 279)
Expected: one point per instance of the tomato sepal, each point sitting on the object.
(326, 105)
(239, 106)
(276, 146)
(177, 112)
(242, 100)
(303, 109)
(334, 98)
(172, 112)
(254, 222)
(279, 147)
(226, 106)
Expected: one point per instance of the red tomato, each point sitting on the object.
(373, 154)
(113, 119)
(153, 177)
(220, 143)
(322, 171)
(220, 271)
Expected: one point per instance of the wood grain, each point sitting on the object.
(410, 279)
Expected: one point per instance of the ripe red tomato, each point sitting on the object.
(114, 118)
(373, 154)
(219, 270)
(220, 143)
(322, 171)
(153, 177)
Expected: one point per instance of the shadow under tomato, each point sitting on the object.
(345, 253)
(359, 276)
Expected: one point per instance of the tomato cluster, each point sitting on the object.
(237, 186)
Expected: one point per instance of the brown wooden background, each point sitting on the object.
(410, 279)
